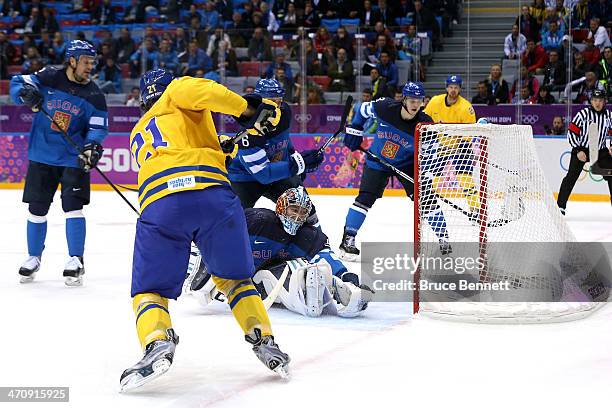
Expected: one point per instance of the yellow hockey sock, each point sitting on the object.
(152, 317)
(466, 181)
(246, 304)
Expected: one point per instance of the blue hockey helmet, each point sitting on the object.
(152, 85)
(77, 48)
(269, 88)
(454, 80)
(413, 90)
(293, 207)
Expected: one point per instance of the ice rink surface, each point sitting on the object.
(85, 337)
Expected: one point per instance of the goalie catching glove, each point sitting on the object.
(90, 155)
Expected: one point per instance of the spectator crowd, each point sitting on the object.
(563, 47)
(225, 38)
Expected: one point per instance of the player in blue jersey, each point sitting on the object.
(316, 277)
(78, 106)
(267, 166)
(394, 143)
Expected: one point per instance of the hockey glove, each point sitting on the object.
(31, 97)
(228, 146)
(353, 137)
(261, 119)
(91, 154)
(312, 160)
(296, 164)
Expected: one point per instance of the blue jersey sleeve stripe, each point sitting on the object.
(253, 157)
(178, 169)
(259, 167)
(97, 120)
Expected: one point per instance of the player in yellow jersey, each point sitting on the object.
(185, 197)
(451, 107)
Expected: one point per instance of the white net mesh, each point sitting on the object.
(480, 193)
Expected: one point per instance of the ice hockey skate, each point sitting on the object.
(156, 361)
(268, 352)
(73, 271)
(348, 250)
(29, 268)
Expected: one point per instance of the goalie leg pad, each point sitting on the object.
(306, 292)
(246, 304)
(351, 300)
(315, 286)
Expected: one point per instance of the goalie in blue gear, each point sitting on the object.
(393, 143)
(267, 166)
(78, 107)
(316, 281)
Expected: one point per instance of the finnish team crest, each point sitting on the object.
(389, 150)
(62, 119)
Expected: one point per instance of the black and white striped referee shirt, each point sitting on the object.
(578, 129)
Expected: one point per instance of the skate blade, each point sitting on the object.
(136, 380)
(283, 372)
(348, 257)
(27, 279)
(73, 282)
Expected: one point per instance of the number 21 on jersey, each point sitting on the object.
(152, 139)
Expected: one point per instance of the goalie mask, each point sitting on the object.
(293, 207)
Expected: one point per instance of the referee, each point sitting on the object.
(578, 137)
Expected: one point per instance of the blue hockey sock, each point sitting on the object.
(355, 218)
(438, 223)
(37, 232)
(75, 233)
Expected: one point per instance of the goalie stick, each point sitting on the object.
(495, 223)
(78, 148)
(347, 109)
(593, 134)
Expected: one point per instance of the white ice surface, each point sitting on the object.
(84, 338)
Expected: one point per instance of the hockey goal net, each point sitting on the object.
(481, 194)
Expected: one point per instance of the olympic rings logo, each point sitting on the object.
(301, 118)
(530, 119)
(586, 170)
(26, 117)
(227, 119)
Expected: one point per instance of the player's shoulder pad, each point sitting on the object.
(49, 76)
(250, 141)
(256, 217)
(423, 117)
(263, 222)
(95, 96)
(389, 111)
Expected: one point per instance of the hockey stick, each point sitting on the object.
(495, 223)
(269, 300)
(594, 152)
(345, 113)
(78, 148)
